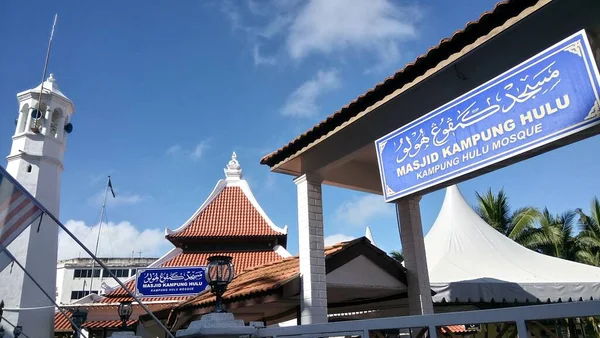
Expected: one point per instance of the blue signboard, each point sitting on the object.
(152, 282)
(548, 97)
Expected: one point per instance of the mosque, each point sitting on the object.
(462, 264)
(362, 280)
(229, 222)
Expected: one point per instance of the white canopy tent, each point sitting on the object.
(469, 261)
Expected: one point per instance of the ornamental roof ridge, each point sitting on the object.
(233, 170)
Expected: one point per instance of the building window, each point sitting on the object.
(81, 294)
(86, 273)
(119, 273)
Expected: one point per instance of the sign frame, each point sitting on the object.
(517, 152)
(141, 271)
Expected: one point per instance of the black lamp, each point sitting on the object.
(78, 317)
(125, 311)
(17, 331)
(219, 274)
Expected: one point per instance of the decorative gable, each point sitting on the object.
(231, 211)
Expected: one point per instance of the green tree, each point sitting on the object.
(397, 255)
(496, 211)
(554, 235)
(589, 236)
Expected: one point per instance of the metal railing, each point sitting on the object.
(518, 315)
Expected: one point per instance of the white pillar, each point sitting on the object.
(47, 120)
(415, 260)
(522, 329)
(20, 122)
(28, 120)
(313, 296)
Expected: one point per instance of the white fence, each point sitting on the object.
(517, 315)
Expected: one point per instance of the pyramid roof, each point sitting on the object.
(230, 211)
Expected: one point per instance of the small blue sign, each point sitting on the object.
(154, 282)
(548, 97)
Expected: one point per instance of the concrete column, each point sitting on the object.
(28, 120)
(313, 296)
(46, 127)
(20, 122)
(415, 261)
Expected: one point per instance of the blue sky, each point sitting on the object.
(165, 91)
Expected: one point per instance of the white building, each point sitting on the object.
(36, 162)
(74, 276)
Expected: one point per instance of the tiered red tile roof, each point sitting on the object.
(231, 214)
(62, 324)
(230, 218)
(242, 260)
(260, 279)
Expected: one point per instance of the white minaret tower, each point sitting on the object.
(36, 161)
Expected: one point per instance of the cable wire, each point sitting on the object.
(11, 324)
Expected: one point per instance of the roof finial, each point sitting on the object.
(51, 78)
(233, 170)
(369, 235)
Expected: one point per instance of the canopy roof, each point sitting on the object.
(469, 261)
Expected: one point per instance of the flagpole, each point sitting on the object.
(68, 232)
(99, 230)
(44, 73)
(10, 255)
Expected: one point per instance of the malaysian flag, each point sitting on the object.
(17, 211)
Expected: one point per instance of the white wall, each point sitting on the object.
(66, 282)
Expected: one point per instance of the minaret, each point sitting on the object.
(36, 161)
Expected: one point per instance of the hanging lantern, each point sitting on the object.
(78, 317)
(219, 274)
(125, 311)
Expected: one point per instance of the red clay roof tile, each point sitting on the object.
(242, 260)
(454, 329)
(230, 214)
(263, 278)
(62, 324)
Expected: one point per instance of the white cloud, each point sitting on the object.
(120, 199)
(299, 29)
(116, 240)
(100, 177)
(195, 154)
(333, 239)
(260, 59)
(199, 150)
(337, 25)
(360, 211)
(174, 149)
(232, 12)
(303, 101)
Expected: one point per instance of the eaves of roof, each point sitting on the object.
(502, 12)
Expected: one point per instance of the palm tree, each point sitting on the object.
(397, 255)
(554, 235)
(589, 237)
(495, 210)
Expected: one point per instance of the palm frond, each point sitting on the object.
(397, 255)
(523, 219)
